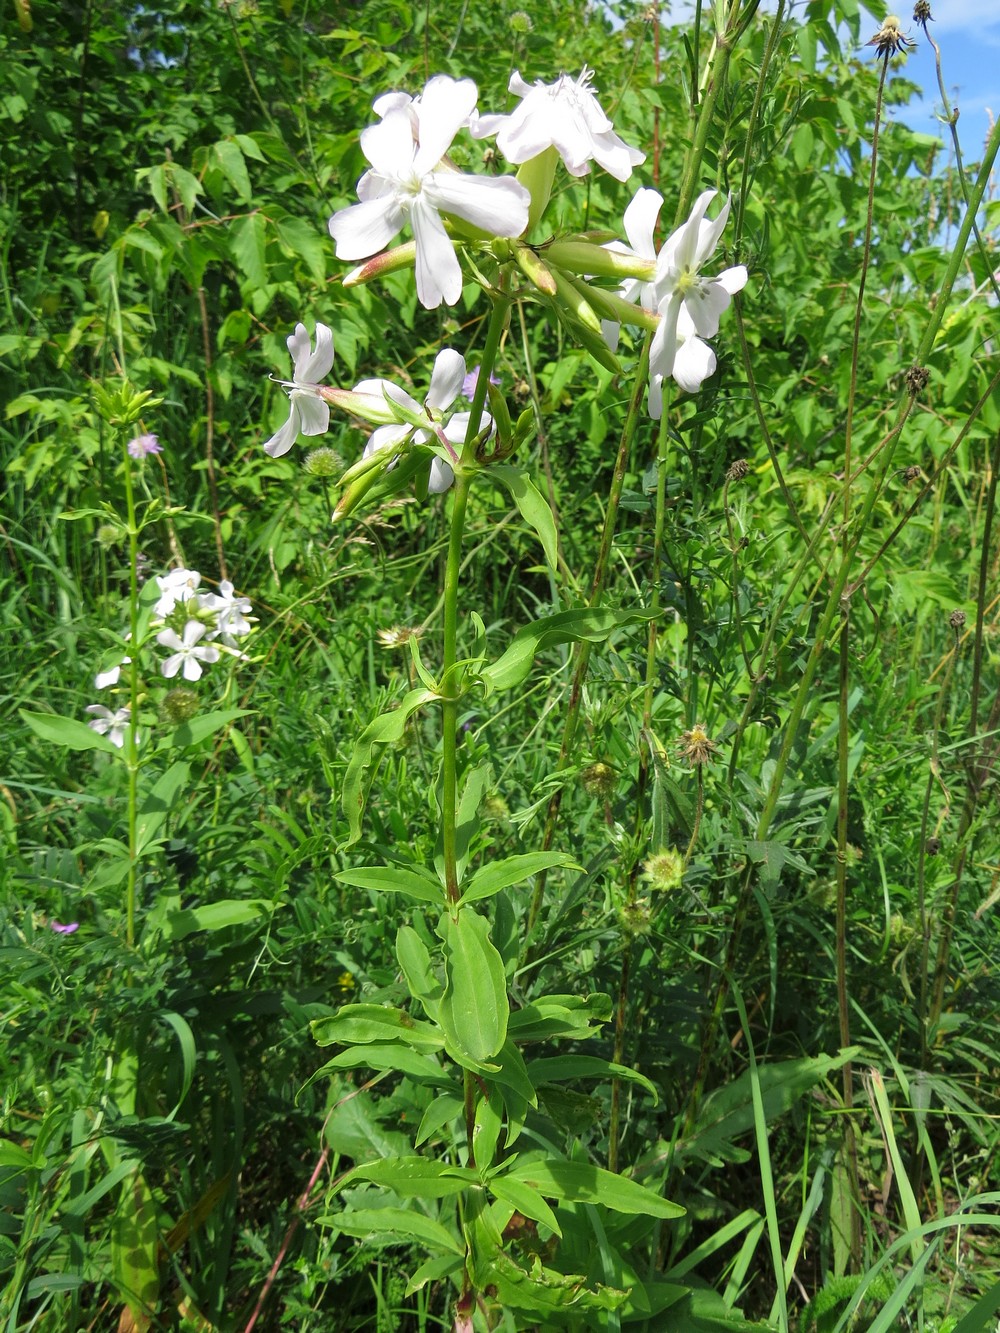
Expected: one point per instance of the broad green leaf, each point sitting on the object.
(433, 1271)
(384, 730)
(158, 802)
(67, 731)
(473, 1010)
(415, 962)
(135, 1245)
(249, 247)
(559, 1067)
(531, 506)
(360, 1023)
(490, 879)
(233, 166)
(405, 1223)
(563, 627)
(525, 1199)
(415, 1177)
(580, 1182)
(391, 1056)
(560, 1016)
(303, 239)
(467, 823)
(215, 916)
(541, 1290)
(188, 186)
(11, 1154)
(441, 1111)
(395, 879)
(201, 727)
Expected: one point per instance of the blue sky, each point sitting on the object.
(968, 33)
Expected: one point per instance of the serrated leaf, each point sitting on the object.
(234, 168)
(249, 247)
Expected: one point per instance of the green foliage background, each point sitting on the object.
(166, 175)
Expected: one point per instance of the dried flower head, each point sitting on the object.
(664, 869)
(916, 380)
(922, 14)
(956, 620)
(933, 845)
(396, 636)
(738, 470)
(696, 747)
(912, 473)
(599, 780)
(890, 40)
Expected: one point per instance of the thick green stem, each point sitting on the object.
(131, 736)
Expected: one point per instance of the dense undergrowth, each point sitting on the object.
(751, 955)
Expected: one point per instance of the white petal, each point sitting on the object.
(499, 207)
(192, 668)
(640, 222)
(438, 273)
(441, 476)
(693, 364)
(446, 379)
(709, 233)
(610, 332)
(362, 230)
(683, 244)
(615, 156)
(299, 348)
(385, 437)
(314, 413)
(444, 106)
(281, 441)
(733, 279)
(389, 146)
(654, 399)
(385, 389)
(318, 364)
(663, 348)
(458, 427)
(705, 303)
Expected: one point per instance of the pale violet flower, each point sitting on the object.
(176, 587)
(188, 653)
(409, 180)
(231, 613)
(470, 382)
(67, 928)
(447, 378)
(308, 414)
(689, 306)
(114, 725)
(143, 445)
(564, 115)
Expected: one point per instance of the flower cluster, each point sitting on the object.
(195, 626)
(411, 180)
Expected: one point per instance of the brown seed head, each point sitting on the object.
(890, 39)
(738, 470)
(916, 379)
(956, 620)
(922, 13)
(696, 747)
(912, 473)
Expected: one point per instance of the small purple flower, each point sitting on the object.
(470, 382)
(68, 929)
(143, 445)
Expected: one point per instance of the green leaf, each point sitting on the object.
(233, 166)
(135, 1245)
(158, 803)
(201, 727)
(386, 729)
(473, 1010)
(189, 187)
(355, 1024)
(249, 246)
(525, 1199)
(559, 1067)
(415, 1177)
(402, 1222)
(531, 506)
(563, 627)
(580, 1182)
(391, 1056)
(395, 879)
(415, 962)
(500, 875)
(68, 732)
(304, 241)
(215, 916)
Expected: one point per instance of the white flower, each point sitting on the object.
(409, 180)
(111, 676)
(188, 653)
(447, 378)
(308, 414)
(114, 725)
(689, 306)
(564, 115)
(640, 223)
(176, 586)
(231, 612)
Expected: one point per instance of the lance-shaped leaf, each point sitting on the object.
(490, 879)
(384, 730)
(473, 1010)
(67, 731)
(403, 1222)
(532, 507)
(580, 1182)
(395, 879)
(414, 1177)
(559, 1067)
(594, 625)
(358, 1024)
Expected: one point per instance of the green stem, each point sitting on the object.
(131, 739)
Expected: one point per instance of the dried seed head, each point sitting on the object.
(665, 869)
(922, 14)
(956, 620)
(396, 636)
(599, 780)
(738, 470)
(916, 379)
(696, 747)
(912, 473)
(890, 39)
(933, 845)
